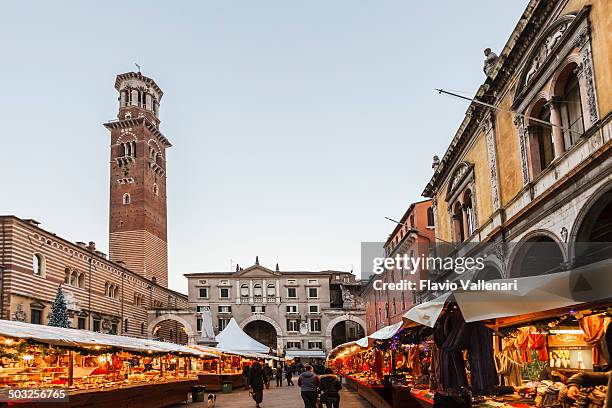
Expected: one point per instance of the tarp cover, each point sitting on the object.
(233, 338)
(427, 313)
(59, 336)
(589, 283)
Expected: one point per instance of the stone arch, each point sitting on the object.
(167, 316)
(555, 83)
(603, 195)
(519, 252)
(335, 321)
(279, 330)
(340, 319)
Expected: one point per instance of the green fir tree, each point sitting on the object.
(59, 312)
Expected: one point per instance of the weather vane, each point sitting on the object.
(137, 66)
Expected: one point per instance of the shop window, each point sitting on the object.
(96, 325)
(81, 323)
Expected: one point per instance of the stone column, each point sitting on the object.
(557, 132)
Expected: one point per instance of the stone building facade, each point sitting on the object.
(127, 292)
(529, 182)
(302, 312)
(412, 236)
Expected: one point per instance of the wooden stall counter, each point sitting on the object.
(212, 382)
(152, 395)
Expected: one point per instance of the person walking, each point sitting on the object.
(245, 375)
(289, 375)
(308, 381)
(267, 375)
(278, 374)
(256, 383)
(330, 384)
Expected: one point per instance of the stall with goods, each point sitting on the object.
(94, 368)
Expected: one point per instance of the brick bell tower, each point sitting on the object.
(137, 221)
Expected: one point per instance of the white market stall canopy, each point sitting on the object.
(233, 338)
(59, 336)
(534, 294)
(305, 354)
(383, 334)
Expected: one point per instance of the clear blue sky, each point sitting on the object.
(297, 125)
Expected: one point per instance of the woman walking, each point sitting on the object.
(289, 375)
(330, 384)
(278, 374)
(256, 383)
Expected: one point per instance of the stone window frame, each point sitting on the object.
(539, 80)
(39, 265)
(461, 182)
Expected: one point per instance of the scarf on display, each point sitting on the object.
(537, 341)
(482, 364)
(452, 338)
(522, 343)
(594, 328)
(415, 363)
(434, 369)
(507, 364)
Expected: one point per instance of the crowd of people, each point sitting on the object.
(318, 384)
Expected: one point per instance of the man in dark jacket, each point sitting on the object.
(308, 381)
(278, 374)
(330, 384)
(245, 375)
(289, 375)
(256, 382)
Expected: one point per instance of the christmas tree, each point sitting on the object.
(59, 312)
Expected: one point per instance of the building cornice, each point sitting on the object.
(142, 121)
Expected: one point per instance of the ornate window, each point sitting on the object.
(461, 202)
(271, 291)
(257, 290)
(556, 86)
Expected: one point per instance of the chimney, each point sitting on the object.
(91, 246)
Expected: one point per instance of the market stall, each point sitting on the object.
(93, 367)
(466, 348)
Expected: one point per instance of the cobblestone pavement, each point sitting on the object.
(277, 397)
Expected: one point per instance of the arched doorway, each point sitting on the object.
(346, 330)
(263, 332)
(593, 238)
(539, 255)
(170, 330)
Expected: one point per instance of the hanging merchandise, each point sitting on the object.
(482, 365)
